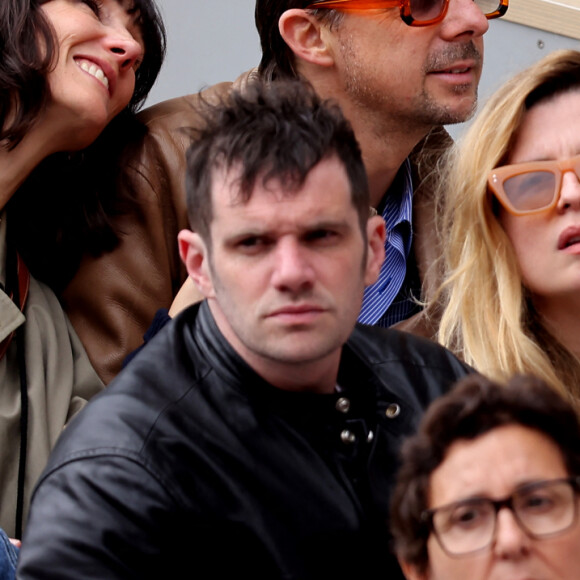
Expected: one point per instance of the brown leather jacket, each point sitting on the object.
(112, 299)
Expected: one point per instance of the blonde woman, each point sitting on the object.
(511, 225)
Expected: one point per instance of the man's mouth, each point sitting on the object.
(454, 68)
(454, 71)
(297, 312)
(454, 59)
(94, 70)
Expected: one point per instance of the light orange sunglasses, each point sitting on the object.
(414, 12)
(528, 188)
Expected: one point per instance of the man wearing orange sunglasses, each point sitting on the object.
(399, 69)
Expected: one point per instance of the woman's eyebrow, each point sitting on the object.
(131, 8)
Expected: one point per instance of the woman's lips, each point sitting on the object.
(570, 237)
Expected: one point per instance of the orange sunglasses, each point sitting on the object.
(527, 188)
(414, 12)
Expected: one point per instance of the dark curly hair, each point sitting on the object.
(475, 407)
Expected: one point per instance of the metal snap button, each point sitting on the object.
(343, 405)
(393, 410)
(347, 437)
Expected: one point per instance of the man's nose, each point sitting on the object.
(510, 541)
(293, 270)
(464, 18)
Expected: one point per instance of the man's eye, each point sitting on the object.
(252, 244)
(321, 235)
(249, 242)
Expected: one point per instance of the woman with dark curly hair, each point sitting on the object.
(68, 70)
(489, 488)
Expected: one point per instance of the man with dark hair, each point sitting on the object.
(257, 434)
(398, 69)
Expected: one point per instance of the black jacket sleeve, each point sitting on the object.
(81, 527)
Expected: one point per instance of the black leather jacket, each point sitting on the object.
(191, 466)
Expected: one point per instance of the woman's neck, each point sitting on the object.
(17, 164)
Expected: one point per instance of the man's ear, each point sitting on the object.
(305, 36)
(376, 235)
(195, 256)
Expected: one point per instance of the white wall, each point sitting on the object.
(509, 48)
(215, 40)
(208, 41)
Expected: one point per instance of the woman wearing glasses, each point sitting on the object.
(511, 223)
(489, 487)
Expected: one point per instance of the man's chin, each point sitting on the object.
(300, 351)
(455, 112)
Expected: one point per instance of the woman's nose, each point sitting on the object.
(510, 541)
(126, 49)
(569, 191)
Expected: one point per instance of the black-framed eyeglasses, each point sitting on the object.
(542, 509)
(413, 12)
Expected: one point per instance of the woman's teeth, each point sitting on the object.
(95, 71)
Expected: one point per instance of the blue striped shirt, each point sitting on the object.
(388, 300)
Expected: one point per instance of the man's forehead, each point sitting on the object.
(326, 185)
(231, 192)
(285, 182)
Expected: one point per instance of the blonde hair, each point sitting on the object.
(486, 317)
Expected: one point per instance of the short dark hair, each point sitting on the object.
(475, 407)
(27, 52)
(277, 58)
(278, 130)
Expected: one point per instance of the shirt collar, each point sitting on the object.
(399, 198)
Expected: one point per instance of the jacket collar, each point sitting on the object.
(355, 378)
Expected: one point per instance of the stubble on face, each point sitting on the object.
(248, 288)
(275, 348)
(440, 61)
(369, 87)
